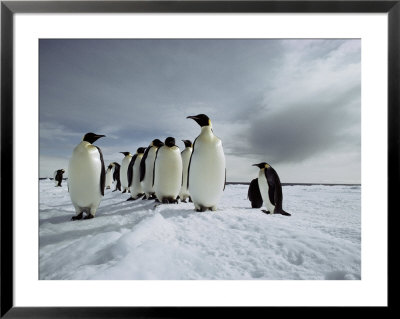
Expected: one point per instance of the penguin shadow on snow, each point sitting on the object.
(170, 213)
(129, 208)
(66, 216)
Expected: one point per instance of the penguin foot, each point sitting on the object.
(285, 213)
(88, 216)
(183, 201)
(108, 187)
(114, 190)
(124, 191)
(190, 200)
(130, 198)
(77, 217)
(144, 197)
(165, 201)
(152, 196)
(265, 211)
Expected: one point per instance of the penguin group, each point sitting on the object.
(160, 172)
(163, 173)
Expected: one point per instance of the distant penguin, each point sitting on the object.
(134, 175)
(109, 174)
(124, 171)
(58, 176)
(147, 168)
(270, 189)
(116, 178)
(254, 194)
(167, 177)
(86, 177)
(207, 172)
(186, 153)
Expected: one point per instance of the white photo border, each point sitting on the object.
(371, 290)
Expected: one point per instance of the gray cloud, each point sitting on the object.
(280, 100)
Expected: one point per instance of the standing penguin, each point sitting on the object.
(124, 171)
(134, 175)
(147, 168)
(58, 176)
(86, 177)
(270, 189)
(116, 178)
(109, 174)
(207, 173)
(254, 194)
(167, 176)
(186, 154)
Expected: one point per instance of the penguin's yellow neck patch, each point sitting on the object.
(266, 166)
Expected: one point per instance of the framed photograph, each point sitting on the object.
(161, 156)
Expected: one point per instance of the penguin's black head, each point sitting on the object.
(157, 143)
(187, 143)
(262, 165)
(125, 153)
(92, 137)
(201, 119)
(170, 141)
(140, 150)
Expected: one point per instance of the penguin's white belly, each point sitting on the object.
(264, 188)
(109, 178)
(124, 171)
(136, 187)
(168, 172)
(184, 192)
(207, 173)
(147, 183)
(84, 177)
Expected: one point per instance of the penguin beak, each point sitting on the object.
(193, 117)
(258, 165)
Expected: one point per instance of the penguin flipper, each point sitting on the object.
(154, 166)
(271, 185)
(190, 161)
(130, 170)
(143, 164)
(103, 172)
(224, 181)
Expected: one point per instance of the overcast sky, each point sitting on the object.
(295, 104)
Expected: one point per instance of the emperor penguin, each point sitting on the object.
(254, 194)
(58, 176)
(186, 153)
(116, 178)
(206, 172)
(86, 178)
(134, 175)
(109, 174)
(167, 176)
(147, 168)
(124, 171)
(270, 189)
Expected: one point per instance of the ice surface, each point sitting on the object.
(139, 240)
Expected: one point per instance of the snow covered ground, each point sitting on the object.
(136, 240)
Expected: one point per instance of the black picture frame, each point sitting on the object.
(9, 8)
